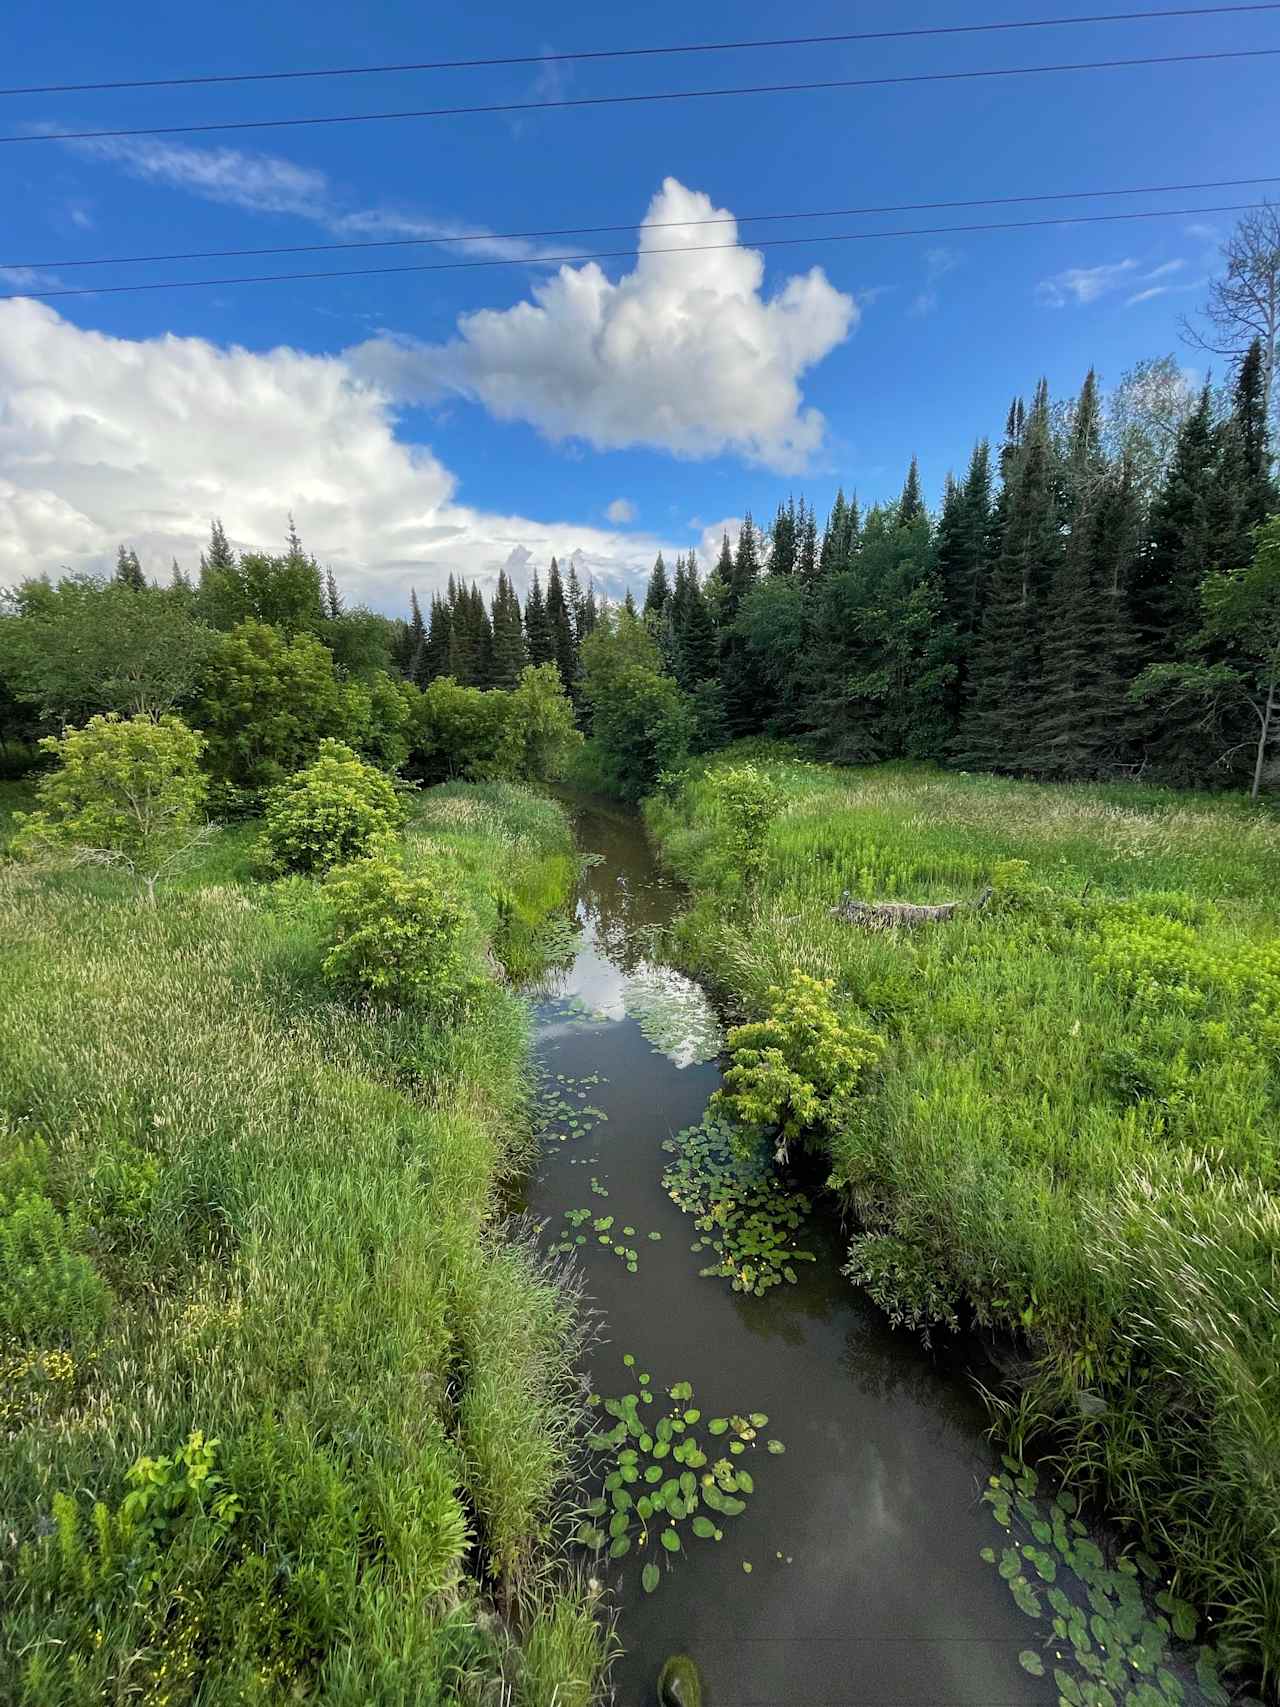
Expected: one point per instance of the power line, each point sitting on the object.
(634, 100)
(632, 254)
(632, 225)
(633, 52)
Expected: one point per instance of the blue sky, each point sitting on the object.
(551, 415)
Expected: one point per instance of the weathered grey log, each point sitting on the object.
(888, 915)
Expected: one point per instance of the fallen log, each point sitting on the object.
(888, 915)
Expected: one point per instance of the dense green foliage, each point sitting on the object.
(1072, 1134)
(337, 810)
(399, 938)
(284, 1416)
(127, 792)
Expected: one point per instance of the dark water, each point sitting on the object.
(879, 1598)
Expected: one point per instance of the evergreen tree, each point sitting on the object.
(333, 606)
(576, 602)
(629, 604)
(658, 592)
(414, 641)
(219, 554)
(911, 505)
(129, 570)
(1180, 549)
(539, 636)
(964, 565)
(510, 654)
(807, 545)
(784, 539)
(481, 630)
(740, 676)
(998, 730)
(590, 613)
(179, 580)
(433, 655)
(564, 639)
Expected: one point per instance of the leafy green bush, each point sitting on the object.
(337, 810)
(746, 803)
(798, 1070)
(128, 792)
(400, 938)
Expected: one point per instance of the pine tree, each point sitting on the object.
(590, 613)
(129, 570)
(629, 604)
(433, 654)
(964, 565)
(539, 637)
(658, 591)
(482, 640)
(577, 604)
(510, 655)
(807, 545)
(1165, 587)
(178, 578)
(219, 554)
(565, 641)
(415, 639)
(333, 606)
(1005, 687)
(911, 505)
(784, 539)
(744, 696)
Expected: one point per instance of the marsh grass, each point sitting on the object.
(1074, 1136)
(285, 1212)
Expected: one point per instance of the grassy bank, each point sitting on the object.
(247, 1234)
(1074, 1136)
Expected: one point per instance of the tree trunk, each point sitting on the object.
(1264, 736)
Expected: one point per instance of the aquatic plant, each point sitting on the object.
(741, 1207)
(662, 1481)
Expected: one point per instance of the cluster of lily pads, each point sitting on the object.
(667, 1477)
(1109, 1626)
(673, 1013)
(603, 1226)
(745, 1213)
(563, 1111)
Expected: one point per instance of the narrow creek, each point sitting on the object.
(866, 1588)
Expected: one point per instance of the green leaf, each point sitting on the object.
(1068, 1688)
(776, 1447)
(1030, 1661)
(650, 1577)
(670, 1540)
(717, 1425)
(621, 1545)
(703, 1527)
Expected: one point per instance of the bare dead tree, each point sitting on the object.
(1245, 303)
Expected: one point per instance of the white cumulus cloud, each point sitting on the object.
(685, 352)
(104, 439)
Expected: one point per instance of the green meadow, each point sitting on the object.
(1071, 1141)
(304, 1407)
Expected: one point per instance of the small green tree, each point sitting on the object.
(746, 803)
(337, 810)
(127, 792)
(461, 732)
(798, 1070)
(400, 938)
(540, 730)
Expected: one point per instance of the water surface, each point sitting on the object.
(879, 1598)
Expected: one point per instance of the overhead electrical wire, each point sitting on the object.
(482, 236)
(566, 102)
(207, 78)
(629, 254)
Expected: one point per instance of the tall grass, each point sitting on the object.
(277, 1220)
(1075, 1137)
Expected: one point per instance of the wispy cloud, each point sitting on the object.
(621, 511)
(938, 262)
(271, 184)
(1079, 286)
(1204, 233)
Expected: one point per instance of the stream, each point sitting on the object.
(863, 1536)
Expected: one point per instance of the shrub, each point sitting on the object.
(746, 803)
(798, 1070)
(400, 938)
(337, 810)
(128, 792)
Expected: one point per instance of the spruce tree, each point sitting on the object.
(219, 554)
(590, 613)
(784, 539)
(1180, 548)
(539, 637)
(911, 505)
(129, 570)
(740, 677)
(658, 591)
(564, 640)
(576, 602)
(415, 639)
(998, 729)
(964, 565)
(332, 597)
(807, 545)
(510, 655)
(433, 655)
